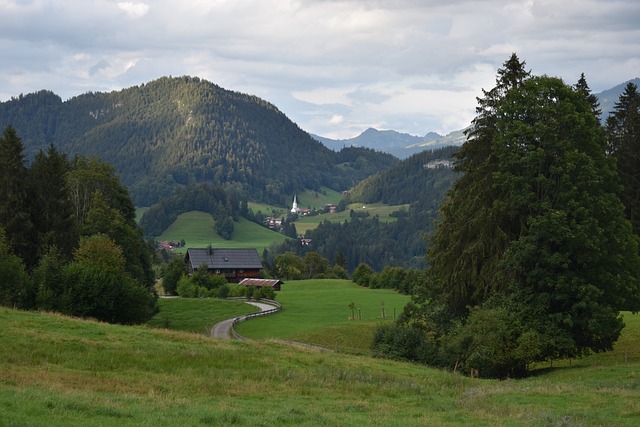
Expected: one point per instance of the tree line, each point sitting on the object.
(68, 237)
(536, 252)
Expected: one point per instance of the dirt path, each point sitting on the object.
(223, 329)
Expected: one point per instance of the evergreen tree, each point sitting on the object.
(471, 236)
(623, 132)
(583, 88)
(14, 281)
(51, 209)
(14, 208)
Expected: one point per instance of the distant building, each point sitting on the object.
(263, 283)
(440, 163)
(295, 209)
(233, 264)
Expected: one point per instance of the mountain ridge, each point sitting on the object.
(403, 145)
(175, 131)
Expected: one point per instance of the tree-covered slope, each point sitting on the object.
(423, 176)
(175, 131)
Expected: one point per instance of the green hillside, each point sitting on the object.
(196, 228)
(306, 223)
(59, 371)
(175, 131)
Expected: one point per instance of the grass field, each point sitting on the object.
(318, 199)
(196, 228)
(306, 223)
(317, 312)
(59, 371)
(196, 314)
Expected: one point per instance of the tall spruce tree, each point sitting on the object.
(465, 250)
(533, 258)
(623, 133)
(14, 209)
(51, 209)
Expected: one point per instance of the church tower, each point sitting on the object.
(295, 209)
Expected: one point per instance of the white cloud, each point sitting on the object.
(409, 65)
(134, 10)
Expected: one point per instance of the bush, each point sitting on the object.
(398, 342)
(362, 274)
(103, 294)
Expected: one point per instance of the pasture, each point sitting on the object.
(383, 212)
(317, 312)
(197, 230)
(60, 371)
(196, 314)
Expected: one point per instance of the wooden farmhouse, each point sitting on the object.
(263, 283)
(234, 264)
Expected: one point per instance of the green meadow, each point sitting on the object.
(383, 212)
(196, 228)
(60, 371)
(318, 199)
(196, 314)
(318, 312)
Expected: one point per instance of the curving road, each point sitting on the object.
(223, 329)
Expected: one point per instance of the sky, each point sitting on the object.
(334, 67)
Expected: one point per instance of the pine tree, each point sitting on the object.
(14, 208)
(51, 208)
(466, 247)
(583, 88)
(623, 133)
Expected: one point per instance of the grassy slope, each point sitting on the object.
(196, 314)
(383, 211)
(57, 371)
(196, 228)
(317, 312)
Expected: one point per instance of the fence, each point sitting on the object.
(276, 307)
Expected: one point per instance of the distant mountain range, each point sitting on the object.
(403, 145)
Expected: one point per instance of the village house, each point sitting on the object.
(273, 223)
(233, 264)
(276, 284)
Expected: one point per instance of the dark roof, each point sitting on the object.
(223, 258)
(261, 282)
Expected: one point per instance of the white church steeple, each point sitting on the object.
(295, 209)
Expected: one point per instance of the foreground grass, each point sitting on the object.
(58, 371)
(196, 314)
(197, 229)
(317, 312)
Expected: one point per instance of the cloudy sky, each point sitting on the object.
(335, 67)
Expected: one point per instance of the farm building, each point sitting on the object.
(262, 283)
(234, 264)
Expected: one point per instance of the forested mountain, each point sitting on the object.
(426, 175)
(421, 181)
(177, 131)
